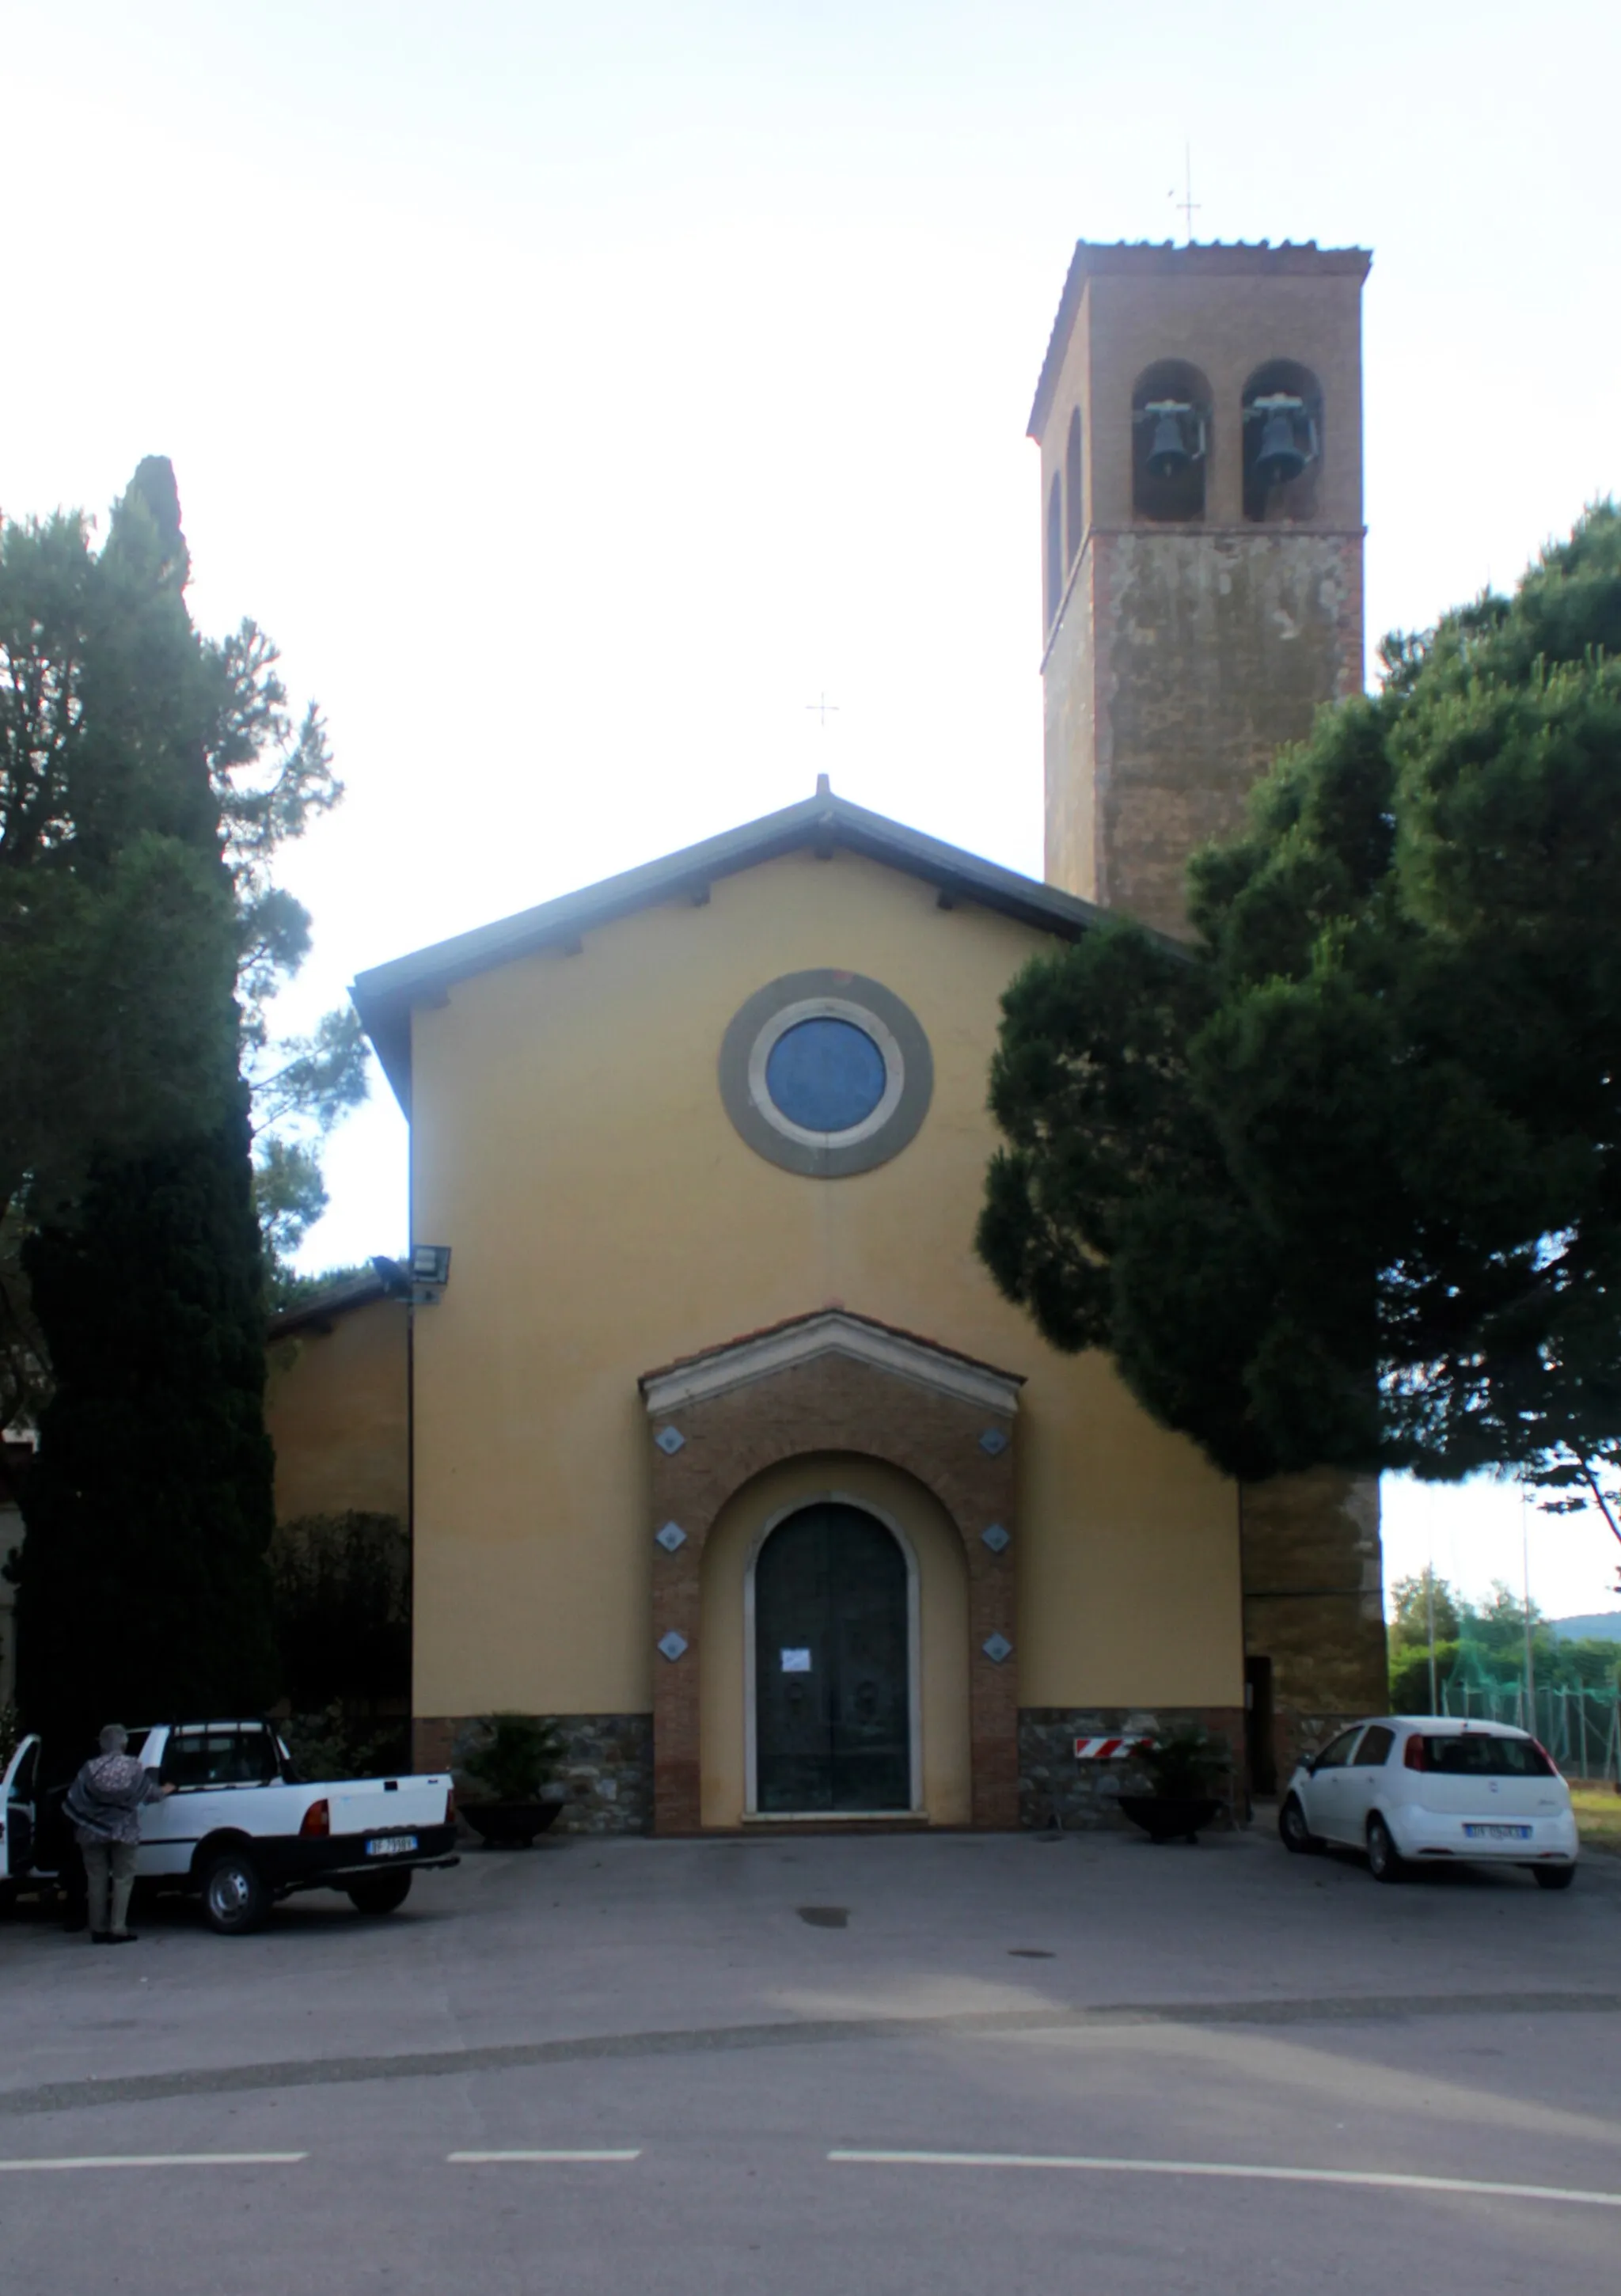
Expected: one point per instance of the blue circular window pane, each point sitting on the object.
(825, 1075)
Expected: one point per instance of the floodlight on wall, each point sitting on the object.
(422, 1280)
(1288, 436)
(429, 1272)
(1178, 437)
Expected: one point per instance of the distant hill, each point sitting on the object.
(1592, 1626)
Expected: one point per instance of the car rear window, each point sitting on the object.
(1481, 1757)
(220, 1758)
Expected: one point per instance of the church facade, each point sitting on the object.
(718, 1443)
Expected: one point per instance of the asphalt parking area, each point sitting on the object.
(827, 2064)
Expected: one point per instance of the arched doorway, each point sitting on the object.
(832, 1612)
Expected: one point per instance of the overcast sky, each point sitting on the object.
(577, 395)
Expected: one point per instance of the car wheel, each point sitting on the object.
(1553, 1877)
(235, 1898)
(1384, 1861)
(385, 1895)
(1293, 1831)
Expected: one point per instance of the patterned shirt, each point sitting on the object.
(104, 1801)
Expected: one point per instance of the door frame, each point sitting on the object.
(914, 1667)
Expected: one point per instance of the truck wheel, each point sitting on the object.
(235, 1898)
(385, 1895)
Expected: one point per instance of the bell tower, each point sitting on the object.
(1200, 420)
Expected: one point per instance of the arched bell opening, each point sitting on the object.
(1055, 548)
(1281, 423)
(1074, 524)
(1170, 443)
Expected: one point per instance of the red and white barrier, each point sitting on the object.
(1106, 1749)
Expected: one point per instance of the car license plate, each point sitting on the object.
(390, 1845)
(1498, 1833)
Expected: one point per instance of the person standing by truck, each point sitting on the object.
(104, 1803)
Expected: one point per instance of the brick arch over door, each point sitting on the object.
(954, 1436)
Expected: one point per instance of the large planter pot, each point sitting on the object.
(510, 1825)
(1170, 1817)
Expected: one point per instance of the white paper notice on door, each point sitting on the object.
(795, 1662)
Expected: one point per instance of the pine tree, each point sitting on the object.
(1340, 1182)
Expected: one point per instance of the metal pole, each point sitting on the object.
(412, 1758)
(1525, 1549)
(1429, 1609)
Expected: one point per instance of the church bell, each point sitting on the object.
(1288, 438)
(1168, 455)
(1280, 457)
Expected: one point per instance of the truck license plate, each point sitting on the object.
(1498, 1833)
(390, 1845)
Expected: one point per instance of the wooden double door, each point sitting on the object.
(832, 1665)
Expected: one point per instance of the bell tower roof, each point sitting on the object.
(1163, 261)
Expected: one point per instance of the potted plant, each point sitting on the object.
(501, 1777)
(1183, 1767)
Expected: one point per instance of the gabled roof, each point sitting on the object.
(385, 995)
(823, 1332)
(1142, 258)
(321, 1306)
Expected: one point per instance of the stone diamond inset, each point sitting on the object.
(672, 1645)
(996, 1648)
(994, 1440)
(996, 1538)
(670, 1439)
(671, 1537)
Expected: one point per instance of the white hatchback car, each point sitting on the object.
(1408, 1789)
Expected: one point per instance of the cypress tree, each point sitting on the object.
(142, 1588)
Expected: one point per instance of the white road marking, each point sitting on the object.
(596, 2153)
(1391, 2180)
(161, 2160)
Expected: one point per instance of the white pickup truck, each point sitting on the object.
(241, 1829)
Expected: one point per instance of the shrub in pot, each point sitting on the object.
(502, 1778)
(1185, 1767)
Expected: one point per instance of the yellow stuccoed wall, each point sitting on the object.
(569, 1142)
(335, 1410)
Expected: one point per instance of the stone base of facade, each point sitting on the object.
(1056, 1788)
(605, 1775)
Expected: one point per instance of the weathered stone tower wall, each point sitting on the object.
(1191, 627)
(1186, 638)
